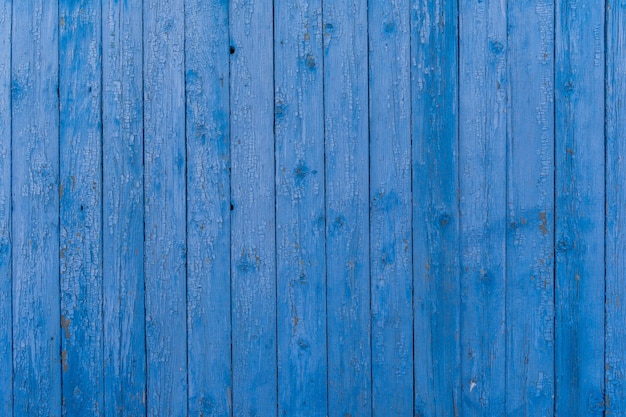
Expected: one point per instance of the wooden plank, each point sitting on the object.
(482, 165)
(301, 265)
(253, 247)
(80, 194)
(580, 210)
(347, 208)
(6, 325)
(530, 188)
(208, 210)
(35, 205)
(123, 213)
(435, 123)
(391, 207)
(165, 207)
(615, 355)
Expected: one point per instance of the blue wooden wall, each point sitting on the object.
(343, 208)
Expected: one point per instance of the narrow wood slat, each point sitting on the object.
(253, 247)
(123, 209)
(165, 207)
(530, 217)
(35, 208)
(347, 208)
(301, 264)
(208, 210)
(435, 122)
(482, 165)
(580, 209)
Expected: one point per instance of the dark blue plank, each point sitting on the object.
(615, 354)
(579, 63)
(434, 86)
(123, 221)
(301, 266)
(165, 207)
(208, 210)
(253, 247)
(530, 235)
(347, 208)
(6, 336)
(390, 207)
(81, 206)
(35, 208)
(482, 166)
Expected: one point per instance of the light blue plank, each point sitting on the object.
(347, 208)
(390, 207)
(80, 195)
(530, 235)
(165, 207)
(301, 308)
(436, 271)
(123, 221)
(6, 324)
(208, 210)
(482, 165)
(35, 201)
(253, 247)
(580, 210)
(615, 354)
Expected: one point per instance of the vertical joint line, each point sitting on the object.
(606, 60)
(412, 213)
(554, 217)
(275, 203)
(10, 225)
(60, 295)
(459, 258)
(186, 201)
(322, 31)
(369, 206)
(143, 196)
(231, 400)
(103, 341)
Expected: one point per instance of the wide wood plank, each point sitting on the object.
(165, 207)
(482, 165)
(579, 63)
(347, 208)
(301, 265)
(208, 210)
(253, 247)
(435, 123)
(6, 325)
(530, 224)
(390, 207)
(35, 207)
(123, 211)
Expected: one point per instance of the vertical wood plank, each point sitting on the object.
(482, 164)
(208, 210)
(301, 266)
(530, 237)
(390, 207)
(347, 207)
(616, 209)
(253, 248)
(580, 207)
(80, 194)
(165, 207)
(35, 198)
(435, 123)
(123, 211)
(6, 324)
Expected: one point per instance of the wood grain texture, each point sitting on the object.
(123, 211)
(346, 103)
(390, 207)
(80, 194)
(435, 123)
(580, 148)
(530, 216)
(35, 201)
(615, 356)
(301, 266)
(6, 324)
(482, 164)
(165, 207)
(208, 207)
(253, 249)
